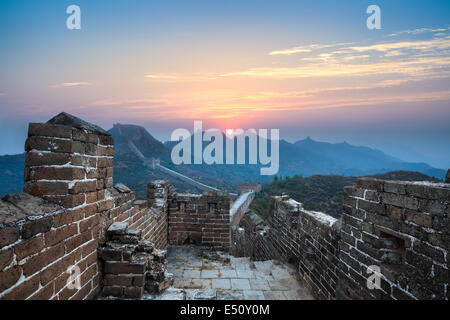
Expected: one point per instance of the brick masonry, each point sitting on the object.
(132, 265)
(400, 227)
(292, 234)
(251, 239)
(68, 204)
(200, 219)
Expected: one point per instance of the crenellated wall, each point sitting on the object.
(251, 239)
(402, 228)
(200, 219)
(68, 204)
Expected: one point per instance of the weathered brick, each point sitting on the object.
(429, 251)
(124, 268)
(105, 205)
(24, 290)
(118, 280)
(372, 195)
(38, 262)
(83, 187)
(67, 293)
(88, 223)
(8, 235)
(9, 277)
(105, 162)
(54, 145)
(133, 292)
(91, 149)
(106, 140)
(112, 291)
(55, 236)
(68, 201)
(28, 247)
(51, 173)
(91, 197)
(79, 135)
(37, 159)
(6, 257)
(34, 227)
(68, 217)
(40, 188)
(55, 270)
(419, 218)
(83, 161)
(44, 293)
(49, 130)
(371, 184)
(109, 254)
(77, 241)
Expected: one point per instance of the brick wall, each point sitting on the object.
(200, 219)
(304, 238)
(68, 204)
(401, 227)
(251, 239)
(240, 207)
(71, 167)
(309, 240)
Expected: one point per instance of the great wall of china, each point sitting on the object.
(72, 215)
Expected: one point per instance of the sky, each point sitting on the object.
(308, 68)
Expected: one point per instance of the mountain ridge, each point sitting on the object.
(305, 157)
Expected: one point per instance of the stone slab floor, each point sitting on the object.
(201, 274)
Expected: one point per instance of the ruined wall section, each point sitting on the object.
(38, 244)
(71, 167)
(240, 207)
(69, 171)
(156, 227)
(251, 239)
(309, 240)
(401, 227)
(200, 219)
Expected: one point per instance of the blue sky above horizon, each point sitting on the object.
(310, 68)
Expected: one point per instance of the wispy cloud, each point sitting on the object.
(71, 84)
(305, 49)
(433, 44)
(371, 73)
(410, 67)
(419, 31)
(418, 57)
(175, 77)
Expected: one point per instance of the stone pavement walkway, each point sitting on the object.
(201, 274)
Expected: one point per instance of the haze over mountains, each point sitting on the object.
(135, 148)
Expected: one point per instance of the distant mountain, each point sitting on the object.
(308, 157)
(123, 134)
(322, 192)
(135, 147)
(11, 173)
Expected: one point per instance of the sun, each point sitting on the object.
(229, 131)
